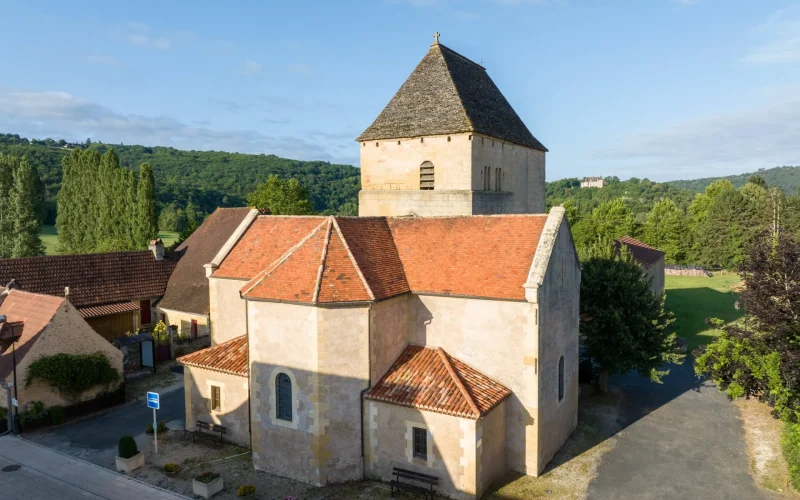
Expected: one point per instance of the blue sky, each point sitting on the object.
(663, 89)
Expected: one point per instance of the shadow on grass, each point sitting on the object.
(692, 306)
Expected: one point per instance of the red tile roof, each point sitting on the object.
(373, 258)
(34, 312)
(430, 379)
(642, 253)
(93, 279)
(228, 357)
(108, 309)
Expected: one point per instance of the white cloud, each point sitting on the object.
(251, 68)
(102, 60)
(139, 40)
(780, 39)
(761, 136)
(60, 114)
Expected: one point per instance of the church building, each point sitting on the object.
(436, 332)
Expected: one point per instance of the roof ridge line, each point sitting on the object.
(353, 259)
(457, 380)
(450, 77)
(322, 261)
(270, 268)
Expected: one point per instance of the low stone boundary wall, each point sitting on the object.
(686, 271)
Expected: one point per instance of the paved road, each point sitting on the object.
(95, 438)
(32, 472)
(683, 441)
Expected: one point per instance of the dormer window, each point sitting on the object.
(426, 176)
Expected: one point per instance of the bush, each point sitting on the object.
(72, 374)
(149, 429)
(245, 490)
(790, 442)
(172, 468)
(162, 427)
(56, 414)
(127, 447)
(207, 477)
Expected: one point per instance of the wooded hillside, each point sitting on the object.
(786, 178)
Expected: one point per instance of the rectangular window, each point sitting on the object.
(216, 403)
(420, 443)
(426, 176)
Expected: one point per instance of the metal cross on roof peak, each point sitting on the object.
(436, 37)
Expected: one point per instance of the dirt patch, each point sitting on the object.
(575, 464)
(763, 436)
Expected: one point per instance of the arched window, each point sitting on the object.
(283, 396)
(426, 176)
(561, 378)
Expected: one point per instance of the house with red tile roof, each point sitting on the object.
(33, 326)
(442, 342)
(651, 259)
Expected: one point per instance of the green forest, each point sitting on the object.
(786, 178)
(207, 179)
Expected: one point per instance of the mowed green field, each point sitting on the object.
(49, 237)
(693, 299)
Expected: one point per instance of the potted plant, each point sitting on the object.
(207, 484)
(246, 490)
(130, 458)
(172, 470)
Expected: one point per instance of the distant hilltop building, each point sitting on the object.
(593, 182)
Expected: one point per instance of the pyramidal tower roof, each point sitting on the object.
(449, 94)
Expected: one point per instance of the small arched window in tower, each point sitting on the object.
(426, 176)
(283, 396)
(498, 179)
(487, 178)
(561, 378)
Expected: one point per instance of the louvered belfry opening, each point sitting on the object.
(426, 176)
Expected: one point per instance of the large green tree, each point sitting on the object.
(281, 197)
(146, 205)
(623, 324)
(8, 165)
(665, 229)
(26, 215)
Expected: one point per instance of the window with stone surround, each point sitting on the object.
(420, 443)
(561, 379)
(283, 396)
(426, 178)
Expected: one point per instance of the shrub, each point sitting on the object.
(790, 442)
(3, 413)
(162, 427)
(127, 447)
(56, 414)
(72, 374)
(149, 429)
(207, 477)
(172, 468)
(245, 490)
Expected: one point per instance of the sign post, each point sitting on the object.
(152, 402)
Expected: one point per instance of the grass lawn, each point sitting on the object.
(49, 237)
(693, 299)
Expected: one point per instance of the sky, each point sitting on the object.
(662, 89)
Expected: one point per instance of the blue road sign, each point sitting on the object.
(152, 400)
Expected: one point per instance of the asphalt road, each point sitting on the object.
(95, 438)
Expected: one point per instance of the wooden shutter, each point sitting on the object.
(426, 178)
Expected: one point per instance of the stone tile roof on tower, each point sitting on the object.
(347, 259)
(228, 357)
(448, 94)
(641, 252)
(430, 379)
(93, 279)
(27, 314)
(187, 289)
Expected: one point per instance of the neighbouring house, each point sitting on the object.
(593, 182)
(43, 325)
(114, 292)
(444, 343)
(185, 303)
(651, 259)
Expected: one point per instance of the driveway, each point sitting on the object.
(681, 440)
(95, 438)
(33, 472)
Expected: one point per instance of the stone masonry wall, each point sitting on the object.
(228, 317)
(183, 321)
(233, 412)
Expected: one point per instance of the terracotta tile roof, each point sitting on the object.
(430, 379)
(187, 289)
(343, 259)
(93, 279)
(642, 253)
(266, 240)
(34, 312)
(228, 357)
(108, 309)
(447, 94)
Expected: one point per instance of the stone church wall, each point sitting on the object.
(228, 318)
(232, 414)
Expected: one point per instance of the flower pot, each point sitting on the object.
(172, 474)
(130, 464)
(207, 490)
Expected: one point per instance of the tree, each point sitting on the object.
(757, 180)
(724, 237)
(25, 216)
(147, 222)
(281, 197)
(624, 325)
(613, 219)
(666, 230)
(8, 165)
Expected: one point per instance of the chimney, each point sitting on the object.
(157, 247)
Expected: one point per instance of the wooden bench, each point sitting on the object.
(407, 475)
(204, 430)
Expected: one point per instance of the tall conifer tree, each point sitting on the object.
(146, 205)
(7, 166)
(26, 218)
